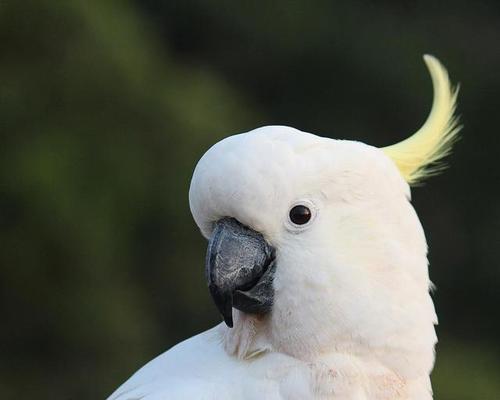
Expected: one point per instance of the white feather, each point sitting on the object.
(352, 317)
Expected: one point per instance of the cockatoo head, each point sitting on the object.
(317, 238)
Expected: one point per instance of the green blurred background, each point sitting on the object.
(105, 107)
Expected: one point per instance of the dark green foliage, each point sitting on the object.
(100, 258)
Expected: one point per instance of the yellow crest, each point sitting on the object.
(419, 156)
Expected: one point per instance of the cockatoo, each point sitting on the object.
(317, 263)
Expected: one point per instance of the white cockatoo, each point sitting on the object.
(317, 262)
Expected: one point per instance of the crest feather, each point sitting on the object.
(419, 156)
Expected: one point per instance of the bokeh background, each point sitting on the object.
(105, 107)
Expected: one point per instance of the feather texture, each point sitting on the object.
(352, 318)
(420, 155)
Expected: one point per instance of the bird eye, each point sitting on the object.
(300, 215)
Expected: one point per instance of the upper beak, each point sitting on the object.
(239, 268)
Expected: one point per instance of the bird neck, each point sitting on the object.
(382, 372)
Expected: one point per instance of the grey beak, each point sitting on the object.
(239, 268)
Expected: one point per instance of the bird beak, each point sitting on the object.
(239, 268)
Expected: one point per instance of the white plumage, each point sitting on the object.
(352, 318)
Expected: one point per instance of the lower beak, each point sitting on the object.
(239, 268)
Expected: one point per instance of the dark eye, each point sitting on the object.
(300, 215)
